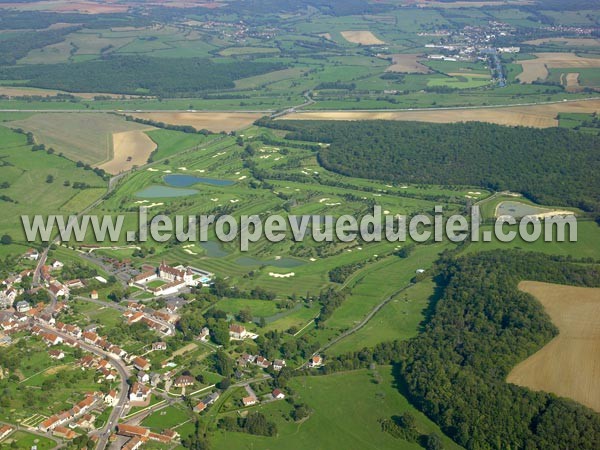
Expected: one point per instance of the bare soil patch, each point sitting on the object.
(130, 148)
(537, 69)
(407, 63)
(569, 365)
(538, 116)
(361, 37)
(572, 82)
(217, 121)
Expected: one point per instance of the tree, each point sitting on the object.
(6, 239)
(244, 315)
(49, 179)
(433, 442)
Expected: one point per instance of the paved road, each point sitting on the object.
(124, 374)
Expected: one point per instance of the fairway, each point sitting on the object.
(361, 37)
(217, 121)
(80, 137)
(538, 116)
(130, 148)
(569, 365)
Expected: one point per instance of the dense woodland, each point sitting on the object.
(552, 166)
(482, 327)
(173, 77)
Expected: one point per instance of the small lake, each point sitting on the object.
(284, 263)
(180, 180)
(518, 209)
(214, 249)
(156, 191)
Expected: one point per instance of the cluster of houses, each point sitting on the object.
(22, 319)
(161, 321)
(207, 401)
(10, 289)
(78, 416)
(101, 365)
(263, 363)
(140, 435)
(174, 279)
(5, 431)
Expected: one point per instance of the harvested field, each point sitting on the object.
(538, 116)
(575, 42)
(361, 37)
(534, 69)
(569, 365)
(13, 91)
(85, 137)
(130, 148)
(217, 121)
(571, 81)
(67, 6)
(467, 4)
(407, 63)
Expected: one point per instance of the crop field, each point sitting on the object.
(130, 148)
(538, 116)
(346, 409)
(569, 364)
(537, 69)
(407, 63)
(573, 42)
(218, 121)
(80, 137)
(84, 7)
(361, 37)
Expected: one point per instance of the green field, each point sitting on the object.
(346, 409)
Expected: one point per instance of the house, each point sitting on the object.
(211, 398)
(159, 346)
(199, 407)
(134, 443)
(277, 394)
(57, 264)
(5, 430)
(112, 398)
(237, 332)
(89, 337)
(315, 361)
(56, 354)
(154, 379)
(143, 377)
(278, 364)
(139, 392)
(204, 334)
(58, 290)
(22, 306)
(94, 295)
(140, 363)
(51, 338)
(32, 254)
(132, 430)
(183, 381)
(63, 432)
(249, 401)
(262, 362)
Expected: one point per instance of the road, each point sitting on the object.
(124, 374)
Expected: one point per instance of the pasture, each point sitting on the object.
(346, 409)
(80, 137)
(568, 365)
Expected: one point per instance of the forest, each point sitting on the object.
(549, 166)
(482, 327)
(174, 77)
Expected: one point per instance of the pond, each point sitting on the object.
(180, 180)
(284, 263)
(214, 249)
(518, 209)
(156, 191)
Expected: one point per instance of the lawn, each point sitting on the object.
(168, 417)
(26, 440)
(346, 409)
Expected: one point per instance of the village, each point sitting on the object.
(130, 388)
